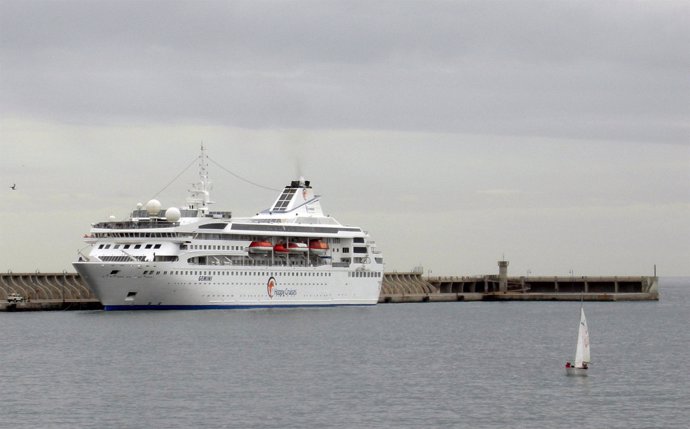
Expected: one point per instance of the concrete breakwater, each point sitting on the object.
(45, 291)
(413, 287)
(62, 291)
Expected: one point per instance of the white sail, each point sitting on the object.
(582, 351)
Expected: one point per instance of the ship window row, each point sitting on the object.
(120, 259)
(364, 274)
(233, 237)
(293, 228)
(214, 247)
(208, 236)
(136, 235)
(127, 246)
(242, 248)
(237, 273)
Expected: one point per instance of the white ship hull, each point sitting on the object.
(165, 286)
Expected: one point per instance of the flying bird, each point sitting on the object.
(13, 187)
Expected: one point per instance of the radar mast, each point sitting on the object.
(200, 196)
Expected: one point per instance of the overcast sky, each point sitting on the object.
(554, 133)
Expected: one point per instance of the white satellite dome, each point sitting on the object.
(153, 207)
(173, 214)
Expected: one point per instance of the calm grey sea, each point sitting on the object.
(478, 365)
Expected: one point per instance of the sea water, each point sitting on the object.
(465, 364)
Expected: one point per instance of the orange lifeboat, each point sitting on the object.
(297, 247)
(318, 247)
(260, 247)
(280, 249)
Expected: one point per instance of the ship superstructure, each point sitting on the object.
(193, 257)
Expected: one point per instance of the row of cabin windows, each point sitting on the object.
(214, 247)
(127, 246)
(205, 247)
(364, 274)
(357, 274)
(233, 273)
(199, 236)
(232, 237)
(221, 247)
(235, 237)
(138, 235)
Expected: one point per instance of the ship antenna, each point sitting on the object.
(200, 194)
(203, 167)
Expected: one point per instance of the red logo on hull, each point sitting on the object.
(270, 286)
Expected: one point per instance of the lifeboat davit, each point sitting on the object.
(260, 247)
(297, 247)
(318, 247)
(280, 249)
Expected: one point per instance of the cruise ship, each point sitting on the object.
(191, 257)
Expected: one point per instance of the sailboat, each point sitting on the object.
(582, 359)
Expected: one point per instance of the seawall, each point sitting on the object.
(67, 291)
(45, 291)
(413, 287)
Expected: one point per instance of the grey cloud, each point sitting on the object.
(587, 70)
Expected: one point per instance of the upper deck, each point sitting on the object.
(294, 230)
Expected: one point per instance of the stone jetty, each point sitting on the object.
(67, 291)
